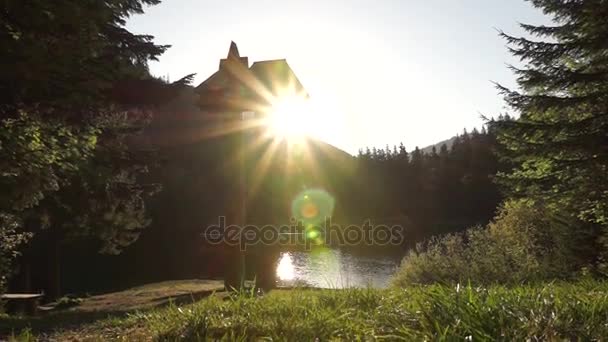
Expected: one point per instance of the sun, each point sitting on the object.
(290, 119)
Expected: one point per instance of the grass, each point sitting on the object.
(557, 311)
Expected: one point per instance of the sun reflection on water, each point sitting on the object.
(325, 267)
(286, 269)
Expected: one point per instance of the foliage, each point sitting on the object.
(67, 302)
(523, 244)
(558, 145)
(10, 240)
(105, 198)
(560, 311)
(75, 90)
(70, 53)
(24, 336)
(36, 156)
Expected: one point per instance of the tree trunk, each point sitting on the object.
(266, 267)
(234, 271)
(27, 275)
(54, 269)
(22, 279)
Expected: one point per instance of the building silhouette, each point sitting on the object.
(238, 87)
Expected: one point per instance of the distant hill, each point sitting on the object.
(448, 142)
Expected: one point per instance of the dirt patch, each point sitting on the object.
(152, 295)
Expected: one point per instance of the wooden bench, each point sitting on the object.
(22, 303)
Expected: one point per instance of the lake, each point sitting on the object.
(325, 267)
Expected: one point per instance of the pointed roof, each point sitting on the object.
(233, 51)
(234, 57)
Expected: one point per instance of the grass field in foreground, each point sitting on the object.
(557, 311)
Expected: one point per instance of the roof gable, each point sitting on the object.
(277, 76)
(264, 79)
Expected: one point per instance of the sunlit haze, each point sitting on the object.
(378, 72)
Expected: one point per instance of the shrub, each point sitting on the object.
(10, 239)
(67, 302)
(524, 243)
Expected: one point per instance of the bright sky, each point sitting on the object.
(383, 71)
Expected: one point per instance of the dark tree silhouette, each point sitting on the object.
(72, 77)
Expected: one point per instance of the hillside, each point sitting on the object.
(437, 146)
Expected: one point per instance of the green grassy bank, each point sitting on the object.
(546, 312)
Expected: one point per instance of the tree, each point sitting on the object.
(558, 146)
(403, 154)
(10, 240)
(70, 53)
(443, 151)
(417, 156)
(73, 77)
(36, 158)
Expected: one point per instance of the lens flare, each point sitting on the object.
(312, 206)
(309, 210)
(312, 234)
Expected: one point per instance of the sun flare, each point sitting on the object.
(290, 119)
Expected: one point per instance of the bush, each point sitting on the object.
(10, 239)
(523, 244)
(67, 302)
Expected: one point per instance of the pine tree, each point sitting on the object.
(417, 158)
(67, 53)
(559, 144)
(368, 153)
(66, 118)
(375, 154)
(434, 151)
(443, 151)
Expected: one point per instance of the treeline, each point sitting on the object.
(444, 190)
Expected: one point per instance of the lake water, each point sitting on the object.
(325, 267)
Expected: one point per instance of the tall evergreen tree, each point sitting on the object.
(67, 53)
(417, 158)
(559, 144)
(67, 113)
(403, 154)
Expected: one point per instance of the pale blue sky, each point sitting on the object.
(385, 71)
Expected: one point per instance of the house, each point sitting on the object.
(209, 110)
(238, 87)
